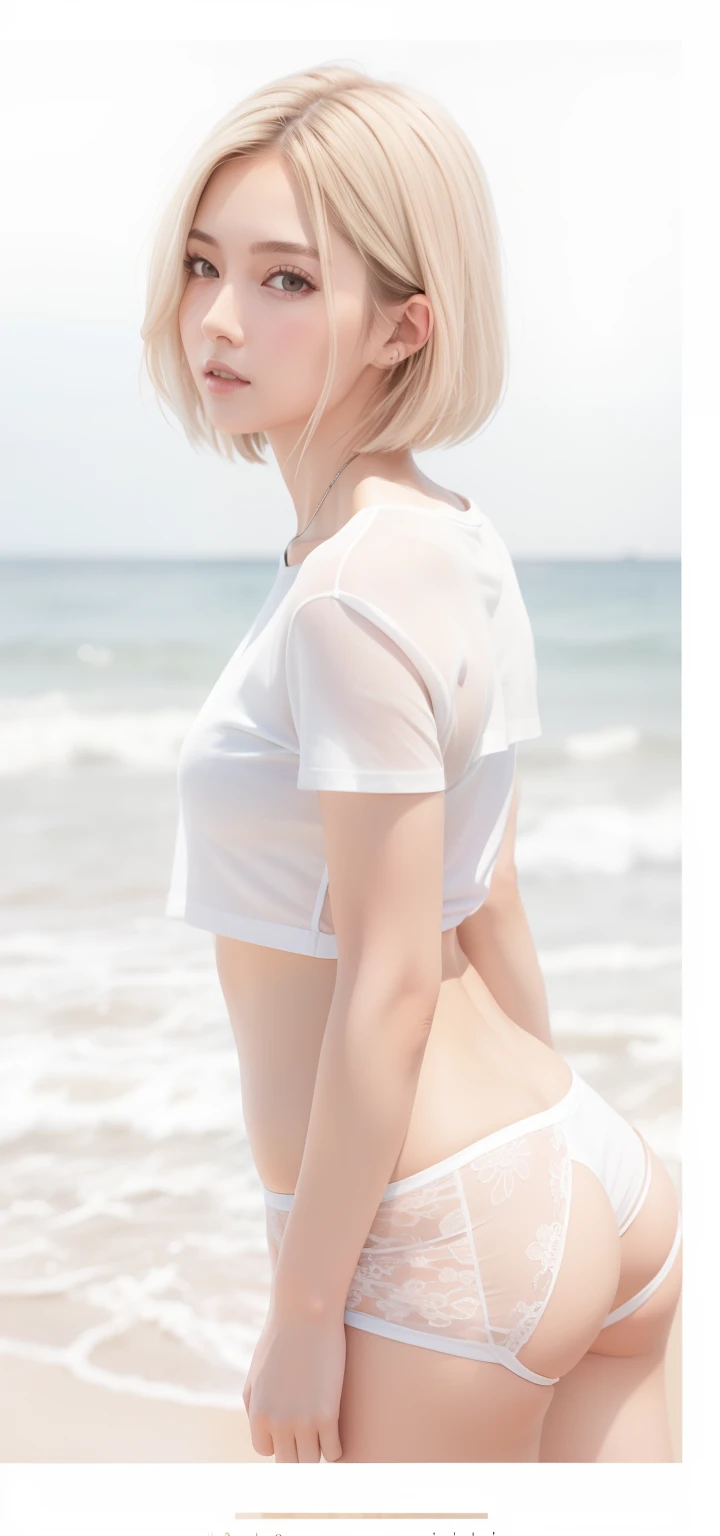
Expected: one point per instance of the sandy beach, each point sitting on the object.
(56, 1418)
(134, 1271)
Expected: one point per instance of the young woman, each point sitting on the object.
(474, 1257)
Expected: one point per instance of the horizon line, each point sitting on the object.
(265, 558)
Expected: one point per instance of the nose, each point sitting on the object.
(221, 318)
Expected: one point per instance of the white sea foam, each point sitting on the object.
(89, 967)
(127, 1187)
(605, 743)
(580, 959)
(153, 1299)
(602, 839)
(126, 1030)
(659, 1029)
(128, 1080)
(95, 655)
(76, 1361)
(152, 1213)
(48, 733)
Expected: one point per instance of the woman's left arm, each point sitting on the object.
(385, 866)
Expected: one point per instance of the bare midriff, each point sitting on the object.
(479, 1073)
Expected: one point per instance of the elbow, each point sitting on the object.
(408, 994)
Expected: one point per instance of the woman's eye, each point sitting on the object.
(295, 277)
(191, 262)
(297, 282)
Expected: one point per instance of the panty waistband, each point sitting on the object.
(565, 1107)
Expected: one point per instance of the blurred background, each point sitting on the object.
(132, 1249)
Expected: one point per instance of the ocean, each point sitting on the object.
(132, 1245)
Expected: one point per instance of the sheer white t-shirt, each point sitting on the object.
(396, 657)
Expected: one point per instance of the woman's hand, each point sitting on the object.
(292, 1392)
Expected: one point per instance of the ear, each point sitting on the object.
(414, 321)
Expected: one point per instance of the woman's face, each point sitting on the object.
(262, 312)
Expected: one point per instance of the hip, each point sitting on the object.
(463, 1256)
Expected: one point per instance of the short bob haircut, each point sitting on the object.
(402, 183)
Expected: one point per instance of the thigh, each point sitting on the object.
(609, 1408)
(401, 1402)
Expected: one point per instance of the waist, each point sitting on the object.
(559, 1113)
(479, 1070)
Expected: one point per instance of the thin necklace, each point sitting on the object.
(317, 509)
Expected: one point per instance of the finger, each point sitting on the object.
(261, 1437)
(330, 1440)
(285, 1448)
(308, 1445)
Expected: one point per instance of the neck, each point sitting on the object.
(361, 482)
(330, 446)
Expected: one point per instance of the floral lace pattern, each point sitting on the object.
(471, 1254)
(502, 1167)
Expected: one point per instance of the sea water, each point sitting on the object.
(132, 1247)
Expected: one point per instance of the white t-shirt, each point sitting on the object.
(396, 657)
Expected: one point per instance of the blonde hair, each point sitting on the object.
(399, 179)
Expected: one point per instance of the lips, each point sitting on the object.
(217, 386)
(213, 368)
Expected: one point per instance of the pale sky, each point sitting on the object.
(580, 142)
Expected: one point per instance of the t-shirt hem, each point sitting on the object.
(372, 780)
(300, 941)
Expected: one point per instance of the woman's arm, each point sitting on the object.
(498, 942)
(385, 865)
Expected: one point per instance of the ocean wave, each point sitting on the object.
(91, 967)
(140, 1302)
(159, 1234)
(47, 733)
(605, 743)
(51, 732)
(597, 1025)
(573, 649)
(612, 750)
(123, 1031)
(192, 1268)
(602, 839)
(579, 959)
(135, 1386)
(62, 1091)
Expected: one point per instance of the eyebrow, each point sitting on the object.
(288, 247)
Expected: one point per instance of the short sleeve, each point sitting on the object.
(361, 705)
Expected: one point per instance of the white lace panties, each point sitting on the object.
(463, 1256)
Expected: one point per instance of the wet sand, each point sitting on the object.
(56, 1418)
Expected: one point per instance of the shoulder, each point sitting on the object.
(391, 556)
